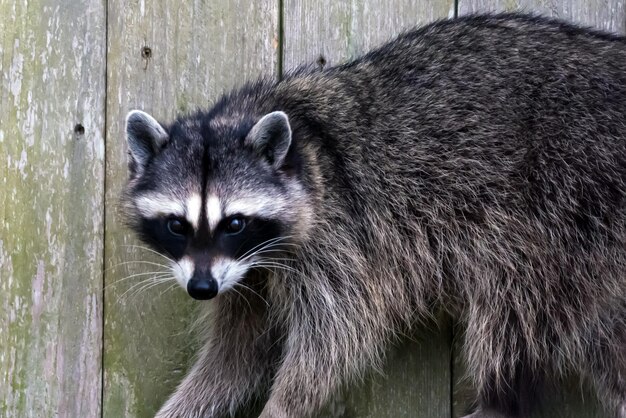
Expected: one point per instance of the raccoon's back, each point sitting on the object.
(483, 111)
(500, 138)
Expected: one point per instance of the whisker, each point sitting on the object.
(152, 274)
(156, 273)
(271, 240)
(262, 259)
(171, 260)
(269, 266)
(270, 249)
(137, 262)
(242, 296)
(253, 291)
(264, 250)
(172, 286)
(134, 286)
(150, 250)
(141, 292)
(262, 246)
(150, 286)
(148, 281)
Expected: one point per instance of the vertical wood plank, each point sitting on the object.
(568, 399)
(164, 57)
(416, 378)
(52, 78)
(415, 381)
(603, 14)
(339, 30)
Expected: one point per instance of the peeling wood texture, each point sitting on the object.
(165, 57)
(52, 78)
(416, 379)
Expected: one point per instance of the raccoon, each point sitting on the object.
(475, 166)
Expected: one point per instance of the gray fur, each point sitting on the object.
(475, 165)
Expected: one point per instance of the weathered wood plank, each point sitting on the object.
(606, 14)
(52, 77)
(164, 57)
(416, 380)
(338, 30)
(570, 399)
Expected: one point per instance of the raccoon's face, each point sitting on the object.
(217, 198)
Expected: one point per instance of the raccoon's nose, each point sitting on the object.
(202, 288)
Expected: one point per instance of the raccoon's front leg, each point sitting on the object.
(318, 355)
(303, 382)
(231, 366)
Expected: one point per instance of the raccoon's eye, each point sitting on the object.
(176, 227)
(235, 225)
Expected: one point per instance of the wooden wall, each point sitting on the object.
(79, 334)
(52, 107)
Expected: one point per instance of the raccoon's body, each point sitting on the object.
(476, 165)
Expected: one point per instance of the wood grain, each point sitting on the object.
(416, 379)
(414, 382)
(338, 30)
(602, 14)
(164, 57)
(52, 78)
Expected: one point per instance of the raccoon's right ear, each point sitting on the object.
(145, 137)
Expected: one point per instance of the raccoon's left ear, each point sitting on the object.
(271, 137)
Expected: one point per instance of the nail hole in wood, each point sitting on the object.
(321, 61)
(79, 129)
(146, 52)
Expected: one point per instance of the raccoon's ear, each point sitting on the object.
(145, 136)
(271, 137)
